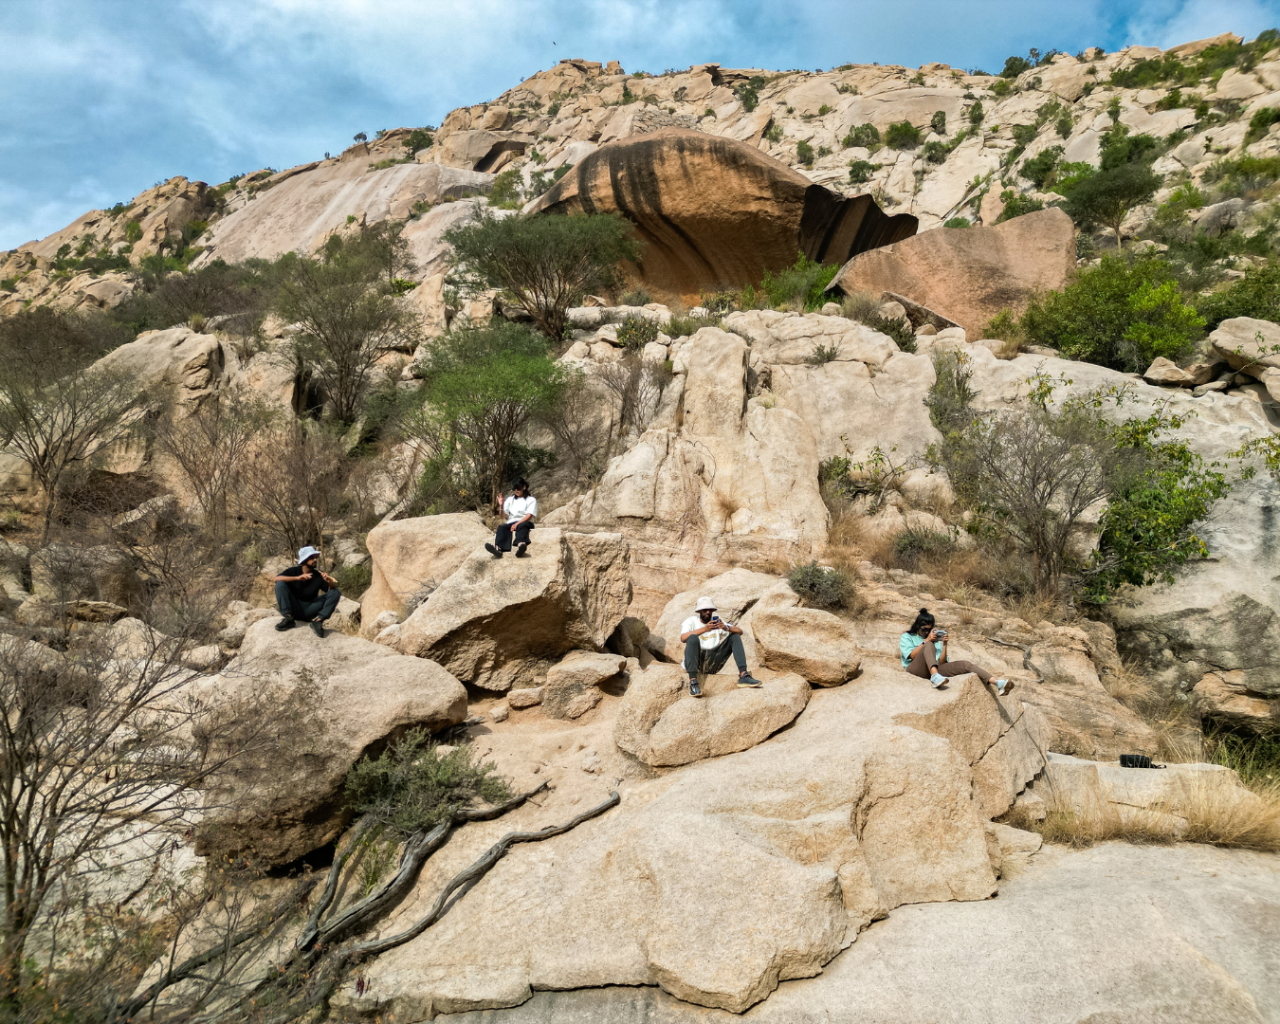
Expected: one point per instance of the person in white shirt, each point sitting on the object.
(708, 642)
(520, 510)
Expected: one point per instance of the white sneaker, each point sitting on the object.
(1003, 686)
(938, 680)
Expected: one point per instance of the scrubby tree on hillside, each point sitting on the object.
(343, 299)
(59, 407)
(546, 263)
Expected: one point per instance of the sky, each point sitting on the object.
(101, 99)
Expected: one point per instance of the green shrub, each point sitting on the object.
(821, 586)
(824, 110)
(507, 190)
(418, 139)
(860, 171)
(866, 136)
(683, 326)
(902, 135)
(635, 332)
(936, 152)
(1120, 148)
(133, 231)
(1039, 169)
(899, 330)
(1002, 88)
(939, 122)
(637, 297)
(1119, 314)
(1108, 196)
(1069, 174)
(804, 153)
(913, 543)
(801, 285)
(1016, 204)
(976, 114)
(411, 786)
(1014, 66)
(1064, 126)
(1256, 295)
(9, 284)
(774, 134)
(823, 354)
(950, 398)
(748, 96)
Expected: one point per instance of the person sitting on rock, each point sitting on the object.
(708, 642)
(520, 510)
(305, 593)
(924, 653)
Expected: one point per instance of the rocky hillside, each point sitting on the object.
(484, 790)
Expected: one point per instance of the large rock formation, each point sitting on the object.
(364, 696)
(969, 275)
(736, 481)
(865, 803)
(413, 556)
(495, 623)
(716, 213)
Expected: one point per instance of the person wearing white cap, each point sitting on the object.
(305, 593)
(708, 642)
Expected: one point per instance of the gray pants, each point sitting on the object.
(925, 662)
(711, 660)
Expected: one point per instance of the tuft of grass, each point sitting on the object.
(823, 354)
(635, 332)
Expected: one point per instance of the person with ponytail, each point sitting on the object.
(924, 653)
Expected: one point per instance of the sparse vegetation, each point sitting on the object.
(635, 332)
(804, 153)
(860, 171)
(866, 136)
(821, 586)
(902, 135)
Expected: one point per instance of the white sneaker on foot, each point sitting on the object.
(938, 680)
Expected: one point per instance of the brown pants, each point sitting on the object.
(925, 662)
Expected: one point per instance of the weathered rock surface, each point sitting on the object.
(813, 643)
(493, 621)
(1223, 699)
(843, 816)
(365, 696)
(715, 213)
(969, 275)
(414, 555)
(659, 723)
(1115, 919)
(571, 687)
(736, 481)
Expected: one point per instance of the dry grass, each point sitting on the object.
(1247, 819)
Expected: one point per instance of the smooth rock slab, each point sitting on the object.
(570, 690)
(815, 644)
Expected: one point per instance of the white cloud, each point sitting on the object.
(1167, 23)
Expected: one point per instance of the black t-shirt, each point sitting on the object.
(306, 590)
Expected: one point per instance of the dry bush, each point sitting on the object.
(860, 306)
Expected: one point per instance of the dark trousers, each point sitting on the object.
(925, 662)
(712, 660)
(319, 608)
(502, 539)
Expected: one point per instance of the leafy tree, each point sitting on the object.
(546, 263)
(418, 139)
(506, 191)
(344, 303)
(1120, 314)
(60, 406)
(1108, 196)
(1014, 66)
(939, 122)
(866, 136)
(1257, 295)
(481, 386)
(1039, 169)
(902, 135)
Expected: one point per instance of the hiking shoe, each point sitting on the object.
(749, 680)
(1003, 686)
(938, 680)
(493, 551)
(317, 627)
(522, 551)
(695, 690)
(285, 623)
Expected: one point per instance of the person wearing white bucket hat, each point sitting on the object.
(708, 643)
(305, 593)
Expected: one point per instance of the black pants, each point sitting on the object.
(304, 611)
(713, 659)
(502, 539)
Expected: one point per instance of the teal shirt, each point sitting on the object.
(910, 642)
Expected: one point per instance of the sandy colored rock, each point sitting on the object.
(734, 593)
(1247, 344)
(971, 275)
(834, 814)
(570, 690)
(716, 213)
(1167, 372)
(1223, 699)
(365, 695)
(814, 644)
(410, 555)
(492, 621)
(525, 697)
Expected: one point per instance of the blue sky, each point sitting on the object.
(100, 99)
